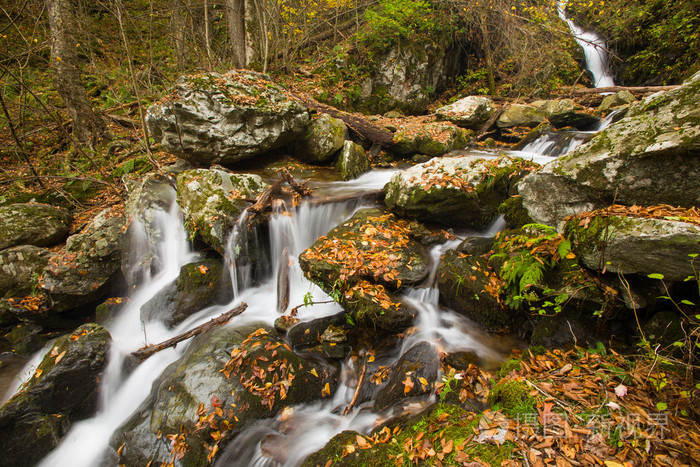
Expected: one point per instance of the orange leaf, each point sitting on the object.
(407, 385)
(60, 356)
(326, 390)
(203, 269)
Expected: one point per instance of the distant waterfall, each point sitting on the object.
(593, 49)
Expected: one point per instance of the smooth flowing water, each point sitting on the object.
(594, 50)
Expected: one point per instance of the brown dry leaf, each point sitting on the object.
(60, 357)
(362, 442)
(407, 385)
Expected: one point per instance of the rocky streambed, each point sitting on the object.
(359, 312)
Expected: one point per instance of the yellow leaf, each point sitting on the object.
(203, 269)
(60, 356)
(37, 373)
(407, 385)
(326, 390)
(613, 464)
(314, 372)
(362, 442)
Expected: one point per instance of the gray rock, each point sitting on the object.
(520, 115)
(470, 112)
(565, 112)
(89, 266)
(33, 224)
(616, 100)
(63, 390)
(213, 118)
(459, 191)
(636, 245)
(213, 200)
(221, 369)
(19, 269)
(321, 140)
(199, 285)
(647, 158)
(433, 139)
(352, 161)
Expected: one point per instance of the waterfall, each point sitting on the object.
(593, 49)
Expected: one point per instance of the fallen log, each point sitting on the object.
(490, 123)
(265, 199)
(145, 352)
(632, 89)
(360, 125)
(365, 195)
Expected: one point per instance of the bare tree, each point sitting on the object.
(87, 125)
(235, 17)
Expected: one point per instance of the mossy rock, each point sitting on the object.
(213, 200)
(352, 161)
(432, 139)
(459, 191)
(514, 213)
(20, 267)
(33, 224)
(323, 137)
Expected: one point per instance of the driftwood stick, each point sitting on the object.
(486, 127)
(365, 195)
(145, 352)
(296, 186)
(264, 199)
(640, 89)
(283, 282)
(352, 403)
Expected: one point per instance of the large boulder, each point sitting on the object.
(362, 262)
(432, 139)
(521, 115)
(647, 158)
(459, 191)
(635, 245)
(565, 112)
(20, 268)
(89, 267)
(213, 118)
(199, 285)
(470, 112)
(33, 224)
(63, 389)
(228, 379)
(213, 200)
(406, 79)
(323, 138)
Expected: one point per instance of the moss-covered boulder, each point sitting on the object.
(432, 139)
(521, 115)
(459, 191)
(363, 261)
(565, 112)
(470, 112)
(213, 200)
(214, 118)
(19, 269)
(89, 267)
(618, 99)
(647, 158)
(63, 389)
(321, 140)
(228, 379)
(635, 245)
(352, 161)
(199, 285)
(33, 224)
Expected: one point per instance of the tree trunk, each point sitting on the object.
(235, 17)
(87, 125)
(177, 25)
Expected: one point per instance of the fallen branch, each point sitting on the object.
(352, 403)
(637, 89)
(145, 352)
(365, 195)
(283, 282)
(486, 127)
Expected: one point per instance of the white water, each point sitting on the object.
(593, 48)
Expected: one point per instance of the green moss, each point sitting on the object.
(514, 213)
(513, 398)
(510, 365)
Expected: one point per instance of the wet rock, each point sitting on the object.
(106, 311)
(664, 328)
(89, 268)
(469, 286)
(647, 158)
(33, 224)
(514, 213)
(565, 330)
(213, 118)
(323, 137)
(566, 113)
(223, 374)
(26, 338)
(458, 191)
(636, 245)
(63, 390)
(362, 261)
(213, 200)
(520, 115)
(352, 161)
(413, 375)
(432, 139)
(199, 285)
(19, 269)
(470, 112)
(462, 360)
(308, 333)
(149, 198)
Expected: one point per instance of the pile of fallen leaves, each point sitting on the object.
(661, 211)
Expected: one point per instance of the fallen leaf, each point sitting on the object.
(60, 356)
(621, 390)
(203, 269)
(407, 385)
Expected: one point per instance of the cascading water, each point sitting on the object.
(593, 48)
